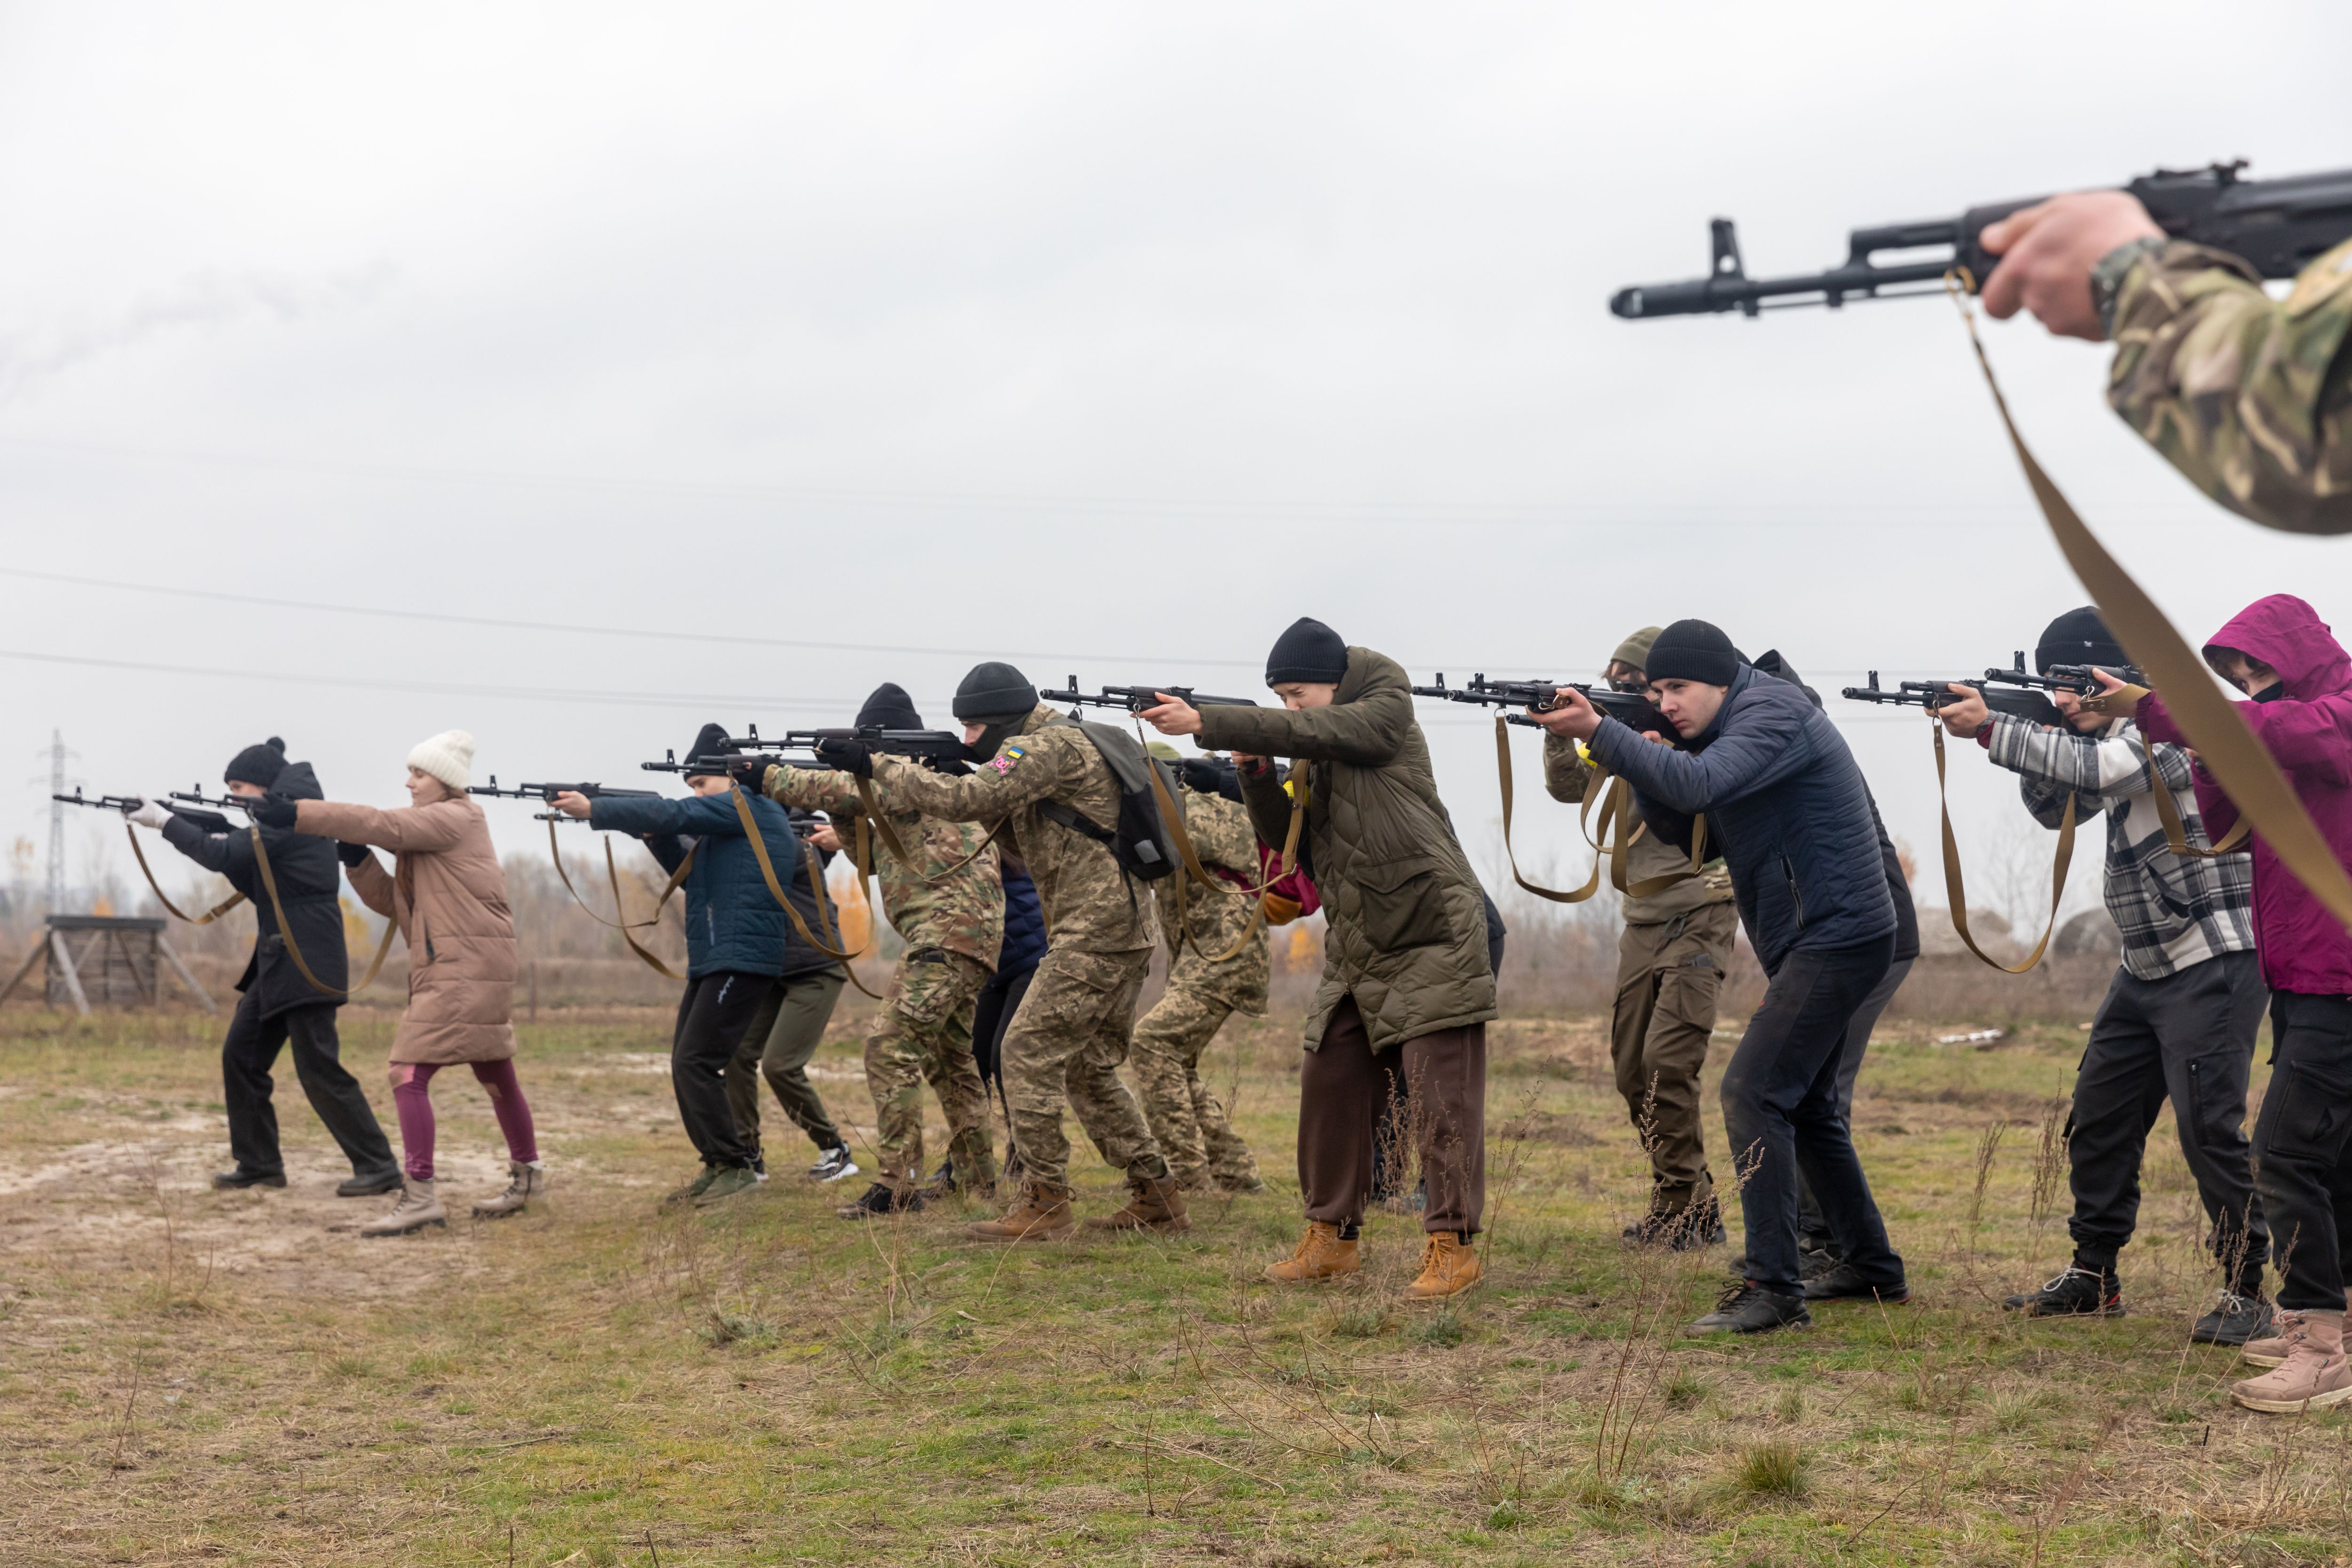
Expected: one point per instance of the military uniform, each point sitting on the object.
(1202, 1147)
(1670, 966)
(948, 906)
(1073, 1029)
(2249, 396)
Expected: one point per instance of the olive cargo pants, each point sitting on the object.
(921, 1033)
(1669, 978)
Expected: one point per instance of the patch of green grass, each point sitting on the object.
(1773, 1469)
(1444, 1327)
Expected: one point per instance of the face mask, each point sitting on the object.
(2271, 693)
(991, 740)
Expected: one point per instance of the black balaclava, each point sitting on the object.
(998, 697)
(711, 741)
(258, 764)
(1694, 650)
(2079, 636)
(1308, 651)
(890, 708)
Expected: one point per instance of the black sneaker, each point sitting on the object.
(1687, 1230)
(1813, 1260)
(1747, 1309)
(2233, 1320)
(1844, 1282)
(238, 1180)
(2077, 1293)
(833, 1164)
(367, 1186)
(877, 1200)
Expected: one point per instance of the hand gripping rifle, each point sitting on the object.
(1136, 698)
(1542, 695)
(207, 821)
(2278, 225)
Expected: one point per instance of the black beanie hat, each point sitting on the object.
(890, 709)
(711, 741)
(2078, 636)
(1693, 650)
(258, 764)
(992, 690)
(1309, 650)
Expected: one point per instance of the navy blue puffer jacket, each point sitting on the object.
(732, 922)
(1786, 803)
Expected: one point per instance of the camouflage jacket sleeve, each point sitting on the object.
(812, 789)
(2249, 396)
(1021, 774)
(1567, 775)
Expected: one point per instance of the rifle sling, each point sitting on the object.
(816, 885)
(169, 908)
(1615, 808)
(293, 949)
(2224, 743)
(1173, 816)
(1959, 893)
(2176, 832)
(613, 875)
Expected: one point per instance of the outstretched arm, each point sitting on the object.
(1765, 741)
(1367, 732)
(424, 828)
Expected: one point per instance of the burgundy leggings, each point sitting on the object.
(412, 1097)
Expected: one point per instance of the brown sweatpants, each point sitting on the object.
(1341, 1088)
(1669, 975)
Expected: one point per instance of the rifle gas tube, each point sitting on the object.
(1136, 698)
(2278, 225)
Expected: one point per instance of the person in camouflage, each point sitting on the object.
(2249, 397)
(1205, 988)
(946, 903)
(1047, 789)
(1671, 960)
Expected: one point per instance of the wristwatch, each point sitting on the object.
(2108, 276)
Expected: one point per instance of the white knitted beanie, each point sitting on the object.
(447, 756)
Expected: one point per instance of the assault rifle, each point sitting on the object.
(1136, 698)
(1542, 695)
(919, 745)
(2278, 225)
(208, 821)
(1932, 695)
(2081, 680)
(197, 797)
(547, 792)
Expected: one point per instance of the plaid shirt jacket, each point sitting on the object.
(2172, 912)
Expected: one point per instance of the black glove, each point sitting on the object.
(1205, 774)
(274, 811)
(851, 757)
(354, 854)
(954, 767)
(748, 772)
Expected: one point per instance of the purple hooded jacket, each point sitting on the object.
(2308, 728)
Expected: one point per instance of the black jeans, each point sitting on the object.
(712, 1018)
(2187, 1037)
(1781, 1109)
(2303, 1148)
(248, 1053)
(1812, 1223)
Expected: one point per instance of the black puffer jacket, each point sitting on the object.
(1795, 820)
(310, 881)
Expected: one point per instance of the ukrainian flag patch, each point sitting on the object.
(1004, 759)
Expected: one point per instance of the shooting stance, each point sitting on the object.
(1671, 960)
(946, 902)
(1776, 780)
(1405, 968)
(1047, 786)
(276, 1005)
(448, 897)
(2179, 1020)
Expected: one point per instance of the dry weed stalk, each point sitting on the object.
(2066, 1490)
(2050, 1163)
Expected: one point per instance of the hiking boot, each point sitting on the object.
(237, 1181)
(832, 1165)
(693, 1189)
(2270, 1351)
(1813, 1260)
(1152, 1204)
(2234, 1321)
(880, 1199)
(1320, 1254)
(1040, 1214)
(2077, 1293)
(524, 1182)
(372, 1185)
(1691, 1228)
(1449, 1265)
(1745, 1309)
(416, 1208)
(1239, 1186)
(1844, 1282)
(2315, 1373)
(725, 1183)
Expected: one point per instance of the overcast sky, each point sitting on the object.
(1106, 338)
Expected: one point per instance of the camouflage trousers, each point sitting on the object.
(1066, 1044)
(1201, 1145)
(923, 1032)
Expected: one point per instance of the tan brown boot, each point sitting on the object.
(416, 1208)
(1321, 1255)
(1040, 1214)
(2314, 1377)
(1154, 1203)
(2270, 1349)
(524, 1182)
(1447, 1268)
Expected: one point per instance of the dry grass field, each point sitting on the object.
(191, 1377)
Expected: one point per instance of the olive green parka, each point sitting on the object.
(1407, 917)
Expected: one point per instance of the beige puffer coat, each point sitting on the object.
(448, 897)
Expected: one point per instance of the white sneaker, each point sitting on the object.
(832, 1165)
